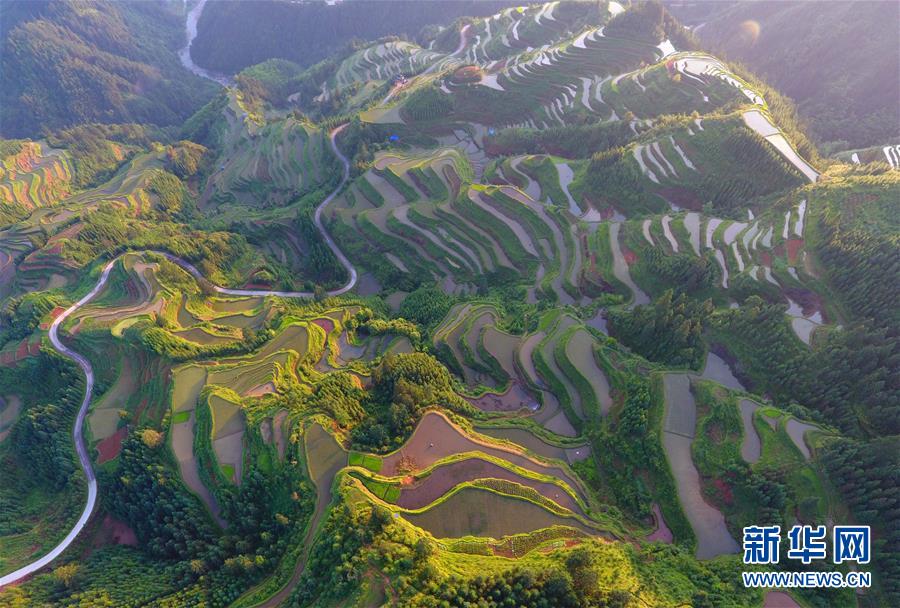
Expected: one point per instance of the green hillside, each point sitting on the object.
(94, 61)
(542, 308)
(830, 58)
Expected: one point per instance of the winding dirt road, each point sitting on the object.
(84, 364)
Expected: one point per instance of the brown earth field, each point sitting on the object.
(436, 437)
(443, 479)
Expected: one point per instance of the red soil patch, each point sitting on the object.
(793, 248)
(765, 258)
(110, 447)
(34, 349)
(630, 257)
(682, 197)
(724, 490)
(436, 437)
(114, 532)
(22, 350)
(503, 551)
(326, 324)
(466, 74)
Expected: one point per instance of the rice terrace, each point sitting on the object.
(444, 304)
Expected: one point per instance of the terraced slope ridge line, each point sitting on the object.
(85, 366)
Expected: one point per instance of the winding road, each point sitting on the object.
(85, 365)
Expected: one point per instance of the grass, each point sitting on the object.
(369, 191)
(368, 461)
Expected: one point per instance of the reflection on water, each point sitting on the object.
(717, 370)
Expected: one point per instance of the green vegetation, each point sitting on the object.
(564, 249)
(669, 330)
(114, 63)
(830, 94)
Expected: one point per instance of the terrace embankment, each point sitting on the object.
(436, 437)
(444, 478)
(707, 522)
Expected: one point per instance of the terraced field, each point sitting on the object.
(36, 176)
(707, 522)
(479, 512)
(288, 158)
(496, 205)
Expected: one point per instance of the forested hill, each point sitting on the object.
(236, 34)
(837, 60)
(70, 63)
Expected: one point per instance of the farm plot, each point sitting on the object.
(182, 438)
(551, 416)
(203, 336)
(751, 446)
(708, 523)
(579, 351)
(564, 247)
(443, 478)
(284, 159)
(244, 378)
(37, 176)
(228, 428)
(188, 381)
(620, 268)
(548, 366)
(461, 333)
(529, 440)
(478, 512)
(717, 370)
(797, 431)
(502, 347)
(436, 438)
(104, 419)
(324, 458)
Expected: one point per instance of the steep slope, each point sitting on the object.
(837, 60)
(234, 35)
(66, 63)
